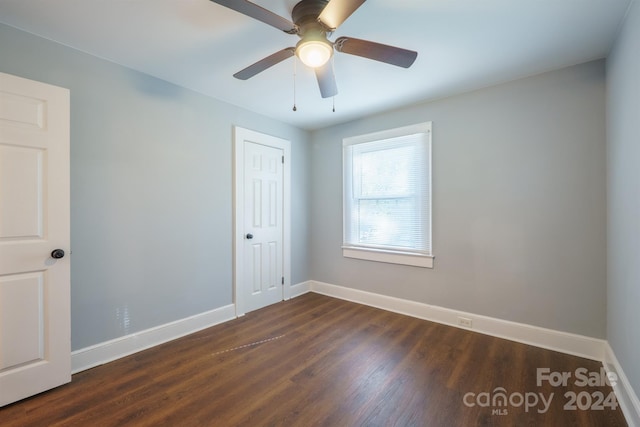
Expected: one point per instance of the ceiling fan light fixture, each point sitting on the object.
(311, 20)
(314, 53)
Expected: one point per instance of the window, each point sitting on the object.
(387, 196)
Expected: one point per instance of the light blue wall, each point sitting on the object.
(518, 203)
(151, 190)
(519, 197)
(623, 191)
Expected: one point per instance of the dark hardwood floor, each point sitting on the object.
(320, 361)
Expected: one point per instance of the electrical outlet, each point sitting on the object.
(465, 322)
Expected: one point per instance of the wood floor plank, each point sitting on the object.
(318, 361)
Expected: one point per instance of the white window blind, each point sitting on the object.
(387, 195)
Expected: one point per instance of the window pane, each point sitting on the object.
(387, 172)
(388, 222)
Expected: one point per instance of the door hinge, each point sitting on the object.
(283, 280)
(283, 159)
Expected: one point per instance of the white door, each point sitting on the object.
(260, 222)
(35, 344)
(263, 225)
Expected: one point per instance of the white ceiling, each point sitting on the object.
(461, 44)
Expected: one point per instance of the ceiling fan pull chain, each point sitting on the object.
(294, 84)
(333, 66)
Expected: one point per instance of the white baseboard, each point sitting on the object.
(627, 398)
(108, 351)
(300, 288)
(578, 345)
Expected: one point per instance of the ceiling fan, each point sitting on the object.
(312, 20)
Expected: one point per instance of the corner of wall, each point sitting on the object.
(625, 394)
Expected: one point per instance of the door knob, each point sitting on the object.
(57, 253)
(249, 236)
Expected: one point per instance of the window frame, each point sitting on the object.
(381, 253)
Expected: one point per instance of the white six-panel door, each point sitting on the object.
(263, 225)
(35, 350)
(261, 222)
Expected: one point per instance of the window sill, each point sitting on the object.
(391, 257)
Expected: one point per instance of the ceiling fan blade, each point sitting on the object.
(376, 51)
(261, 14)
(326, 80)
(337, 11)
(265, 63)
